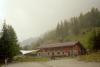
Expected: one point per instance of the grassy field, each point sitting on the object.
(30, 59)
(18, 59)
(93, 57)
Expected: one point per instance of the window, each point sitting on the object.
(52, 53)
(58, 52)
(45, 50)
(63, 52)
(38, 54)
(48, 53)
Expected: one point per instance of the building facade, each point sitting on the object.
(61, 49)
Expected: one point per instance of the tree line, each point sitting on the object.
(84, 28)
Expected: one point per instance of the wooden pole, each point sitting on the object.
(5, 62)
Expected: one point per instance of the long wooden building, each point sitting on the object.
(61, 49)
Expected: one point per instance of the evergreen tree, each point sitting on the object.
(8, 43)
(75, 26)
(60, 32)
(91, 39)
(97, 40)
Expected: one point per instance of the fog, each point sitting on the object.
(32, 18)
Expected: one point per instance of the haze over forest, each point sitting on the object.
(32, 18)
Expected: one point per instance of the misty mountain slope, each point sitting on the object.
(28, 42)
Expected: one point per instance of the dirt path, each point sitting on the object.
(56, 63)
(72, 63)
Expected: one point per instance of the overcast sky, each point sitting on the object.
(32, 18)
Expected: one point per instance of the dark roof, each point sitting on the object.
(58, 44)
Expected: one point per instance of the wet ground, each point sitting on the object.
(56, 63)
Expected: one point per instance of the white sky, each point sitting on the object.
(31, 18)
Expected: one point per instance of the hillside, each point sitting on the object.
(84, 28)
(28, 42)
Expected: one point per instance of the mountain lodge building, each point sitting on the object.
(61, 49)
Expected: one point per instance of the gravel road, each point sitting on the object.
(56, 63)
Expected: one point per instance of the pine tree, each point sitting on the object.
(97, 40)
(60, 32)
(8, 43)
